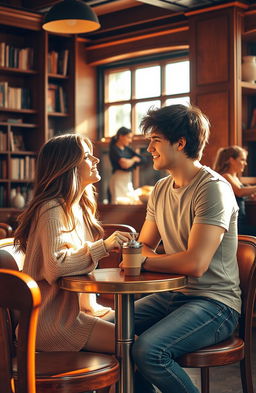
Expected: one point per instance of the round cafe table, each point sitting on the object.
(113, 280)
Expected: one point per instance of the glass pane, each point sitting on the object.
(119, 86)
(141, 110)
(178, 100)
(147, 82)
(118, 116)
(177, 78)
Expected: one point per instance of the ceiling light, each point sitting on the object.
(71, 17)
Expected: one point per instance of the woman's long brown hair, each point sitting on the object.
(222, 162)
(57, 179)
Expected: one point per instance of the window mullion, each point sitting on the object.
(133, 113)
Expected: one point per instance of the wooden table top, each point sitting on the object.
(113, 280)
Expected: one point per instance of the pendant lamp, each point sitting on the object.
(71, 17)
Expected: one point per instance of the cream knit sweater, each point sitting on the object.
(51, 254)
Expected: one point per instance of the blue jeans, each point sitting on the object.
(169, 325)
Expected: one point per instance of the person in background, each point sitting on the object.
(194, 212)
(123, 160)
(60, 236)
(230, 163)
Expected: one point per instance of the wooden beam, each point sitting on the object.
(20, 18)
(140, 45)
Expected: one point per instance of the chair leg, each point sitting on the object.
(205, 380)
(246, 374)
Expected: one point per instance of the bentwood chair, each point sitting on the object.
(237, 348)
(55, 372)
(20, 292)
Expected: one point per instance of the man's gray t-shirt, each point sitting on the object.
(208, 199)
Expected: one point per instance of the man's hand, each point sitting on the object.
(142, 261)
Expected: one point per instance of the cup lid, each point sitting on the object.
(132, 244)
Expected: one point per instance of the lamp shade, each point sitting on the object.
(71, 17)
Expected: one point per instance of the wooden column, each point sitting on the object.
(215, 42)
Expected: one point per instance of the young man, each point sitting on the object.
(194, 212)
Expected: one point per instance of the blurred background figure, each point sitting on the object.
(123, 160)
(230, 163)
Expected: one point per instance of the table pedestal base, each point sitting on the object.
(124, 309)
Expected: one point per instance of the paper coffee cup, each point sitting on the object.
(132, 261)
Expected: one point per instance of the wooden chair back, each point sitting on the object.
(237, 348)
(246, 257)
(56, 372)
(19, 292)
(10, 258)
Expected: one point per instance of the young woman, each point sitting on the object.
(230, 163)
(61, 236)
(123, 160)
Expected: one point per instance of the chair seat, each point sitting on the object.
(78, 370)
(225, 352)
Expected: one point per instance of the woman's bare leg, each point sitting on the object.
(102, 338)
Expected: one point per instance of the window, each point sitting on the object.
(129, 91)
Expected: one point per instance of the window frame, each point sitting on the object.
(132, 65)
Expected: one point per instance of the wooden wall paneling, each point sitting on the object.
(236, 91)
(212, 47)
(85, 93)
(215, 67)
(216, 106)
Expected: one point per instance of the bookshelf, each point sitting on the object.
(37, 99)
(20, 71)
(60, 91)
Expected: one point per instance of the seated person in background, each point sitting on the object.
(123, 160)
(61, 236)
(230, 163)
(194, 212)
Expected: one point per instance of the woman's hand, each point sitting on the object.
(117, 239)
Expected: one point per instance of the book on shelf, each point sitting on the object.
(51, 98)
(2, 54)
(23, 168)
(58, 62)
(62, 101)
(15, 57)
(14, 97)
(53, 62)
(56, 100)
(4, 94)
(15, 120)
(63, 62)
(3, 140)
(50, 133)
(16, 141)
(3, 168)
